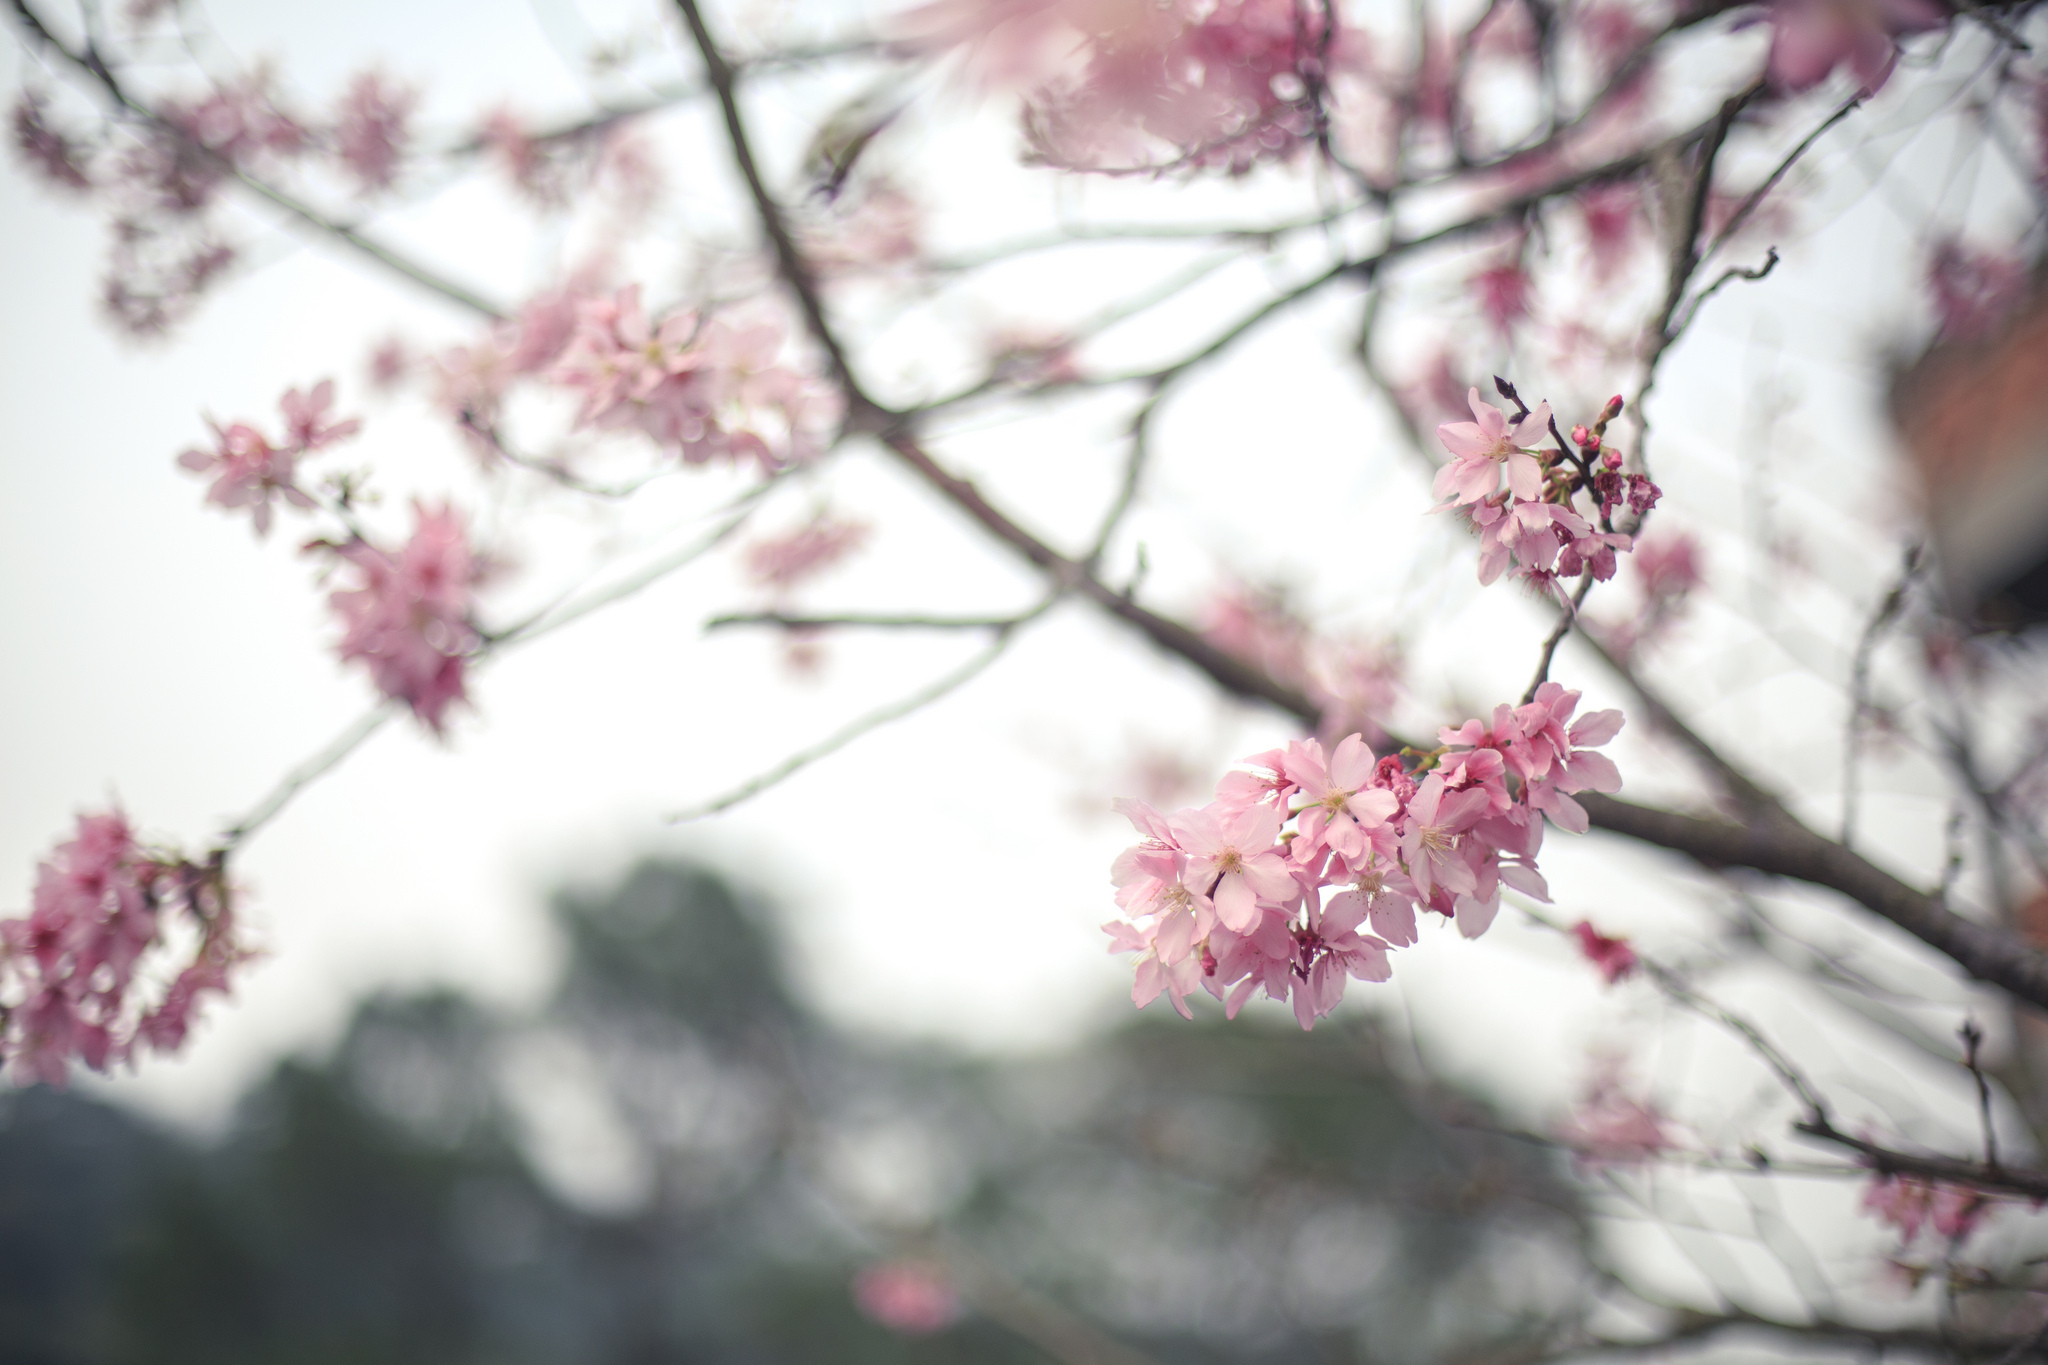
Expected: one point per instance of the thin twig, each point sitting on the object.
(312, 770)
(1973, 1041)
(92, 65)
(873, 720)
(1756, 196)
(1733, 272)
(869, 620)
(1859, 688)
(1565, 620)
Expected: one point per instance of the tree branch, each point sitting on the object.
(1773, 842)
(94, 67)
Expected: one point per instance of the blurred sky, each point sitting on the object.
(943, 875)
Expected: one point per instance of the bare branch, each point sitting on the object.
(1947, 1170)
(873, 720)
(307, 773)
(1565, 619)
(866, 620)
(89, 63)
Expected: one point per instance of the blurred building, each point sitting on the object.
(1973, 413)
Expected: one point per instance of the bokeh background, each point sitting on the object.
(503, 1088)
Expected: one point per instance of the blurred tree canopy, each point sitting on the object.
(730, 1162)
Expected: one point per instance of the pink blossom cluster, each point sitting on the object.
(372, 129)
(1211, 83)
(248, 470)
(73, 984)
(1530, 526)
(1230, 897)
(406, 616)
(470, 382)
(1910, 1203)
(711, 388)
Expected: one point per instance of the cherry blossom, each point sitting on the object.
(1910, 1203)
(713, 389)
(1481, 448)
(1116, 86)
(407, 617)
(247, 471)
(1274, 885)
(372, 128)
(1612, 956)
(1612, 1127)
(72, 980)
(781, 563)
(305, 416)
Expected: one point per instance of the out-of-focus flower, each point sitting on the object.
(372, 127)
(785, 562)
(72, 980)
(407, 618)
(1910, 1203)
(1810, 38)
(52, 154)
(1611, 1127)
(912, 1297)
(1612, 956)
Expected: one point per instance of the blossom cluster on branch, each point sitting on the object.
(1310, 866)
(83, 974)
(1530, 525)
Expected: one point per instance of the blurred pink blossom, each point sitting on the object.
(247, 471)
(72, 984)
(1611, 1127)
(1909, 1203)
(785, 562)
(1810, 38)
(407, 617)
(911, 1297)
(1612, 956)
(372, 128)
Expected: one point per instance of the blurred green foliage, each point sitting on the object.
(673, 1160)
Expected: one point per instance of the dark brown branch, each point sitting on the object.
(1779, 845)
(863, 413)
(1772, 842)
(1229, 672)
(1976, 1175)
